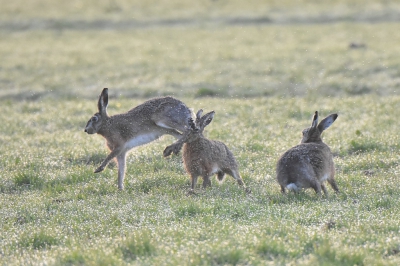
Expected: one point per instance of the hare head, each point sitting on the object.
(196, 128)
(96, 121)
(313, 133)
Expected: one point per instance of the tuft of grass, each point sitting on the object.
(138, 245)
(73, 258)
(27, 179)
(364, 145)
(271, 249)
(228, 257)
(40, 240)
(191, 209)
(327, 254)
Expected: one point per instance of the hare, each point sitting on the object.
(204, 157)
(310, 163)
(140, 125)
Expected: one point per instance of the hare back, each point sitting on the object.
(208, 155)
(158, 108)
(311, 160)
(158, 116)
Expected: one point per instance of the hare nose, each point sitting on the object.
(85, 130)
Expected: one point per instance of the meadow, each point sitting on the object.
(263, 69)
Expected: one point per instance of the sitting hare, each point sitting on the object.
(310, 163)
(204, 157)
(140, 125)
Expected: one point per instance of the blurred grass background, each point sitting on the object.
(204, 48)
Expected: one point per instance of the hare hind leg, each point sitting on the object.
(333, 184)
(172, 128)
(316, 186)
(235, 174)
(206, 181)
(176, 123)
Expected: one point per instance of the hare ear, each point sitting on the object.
(206, 119)
(315, 120)
(327, 122)
(103, 101)
(198, 115)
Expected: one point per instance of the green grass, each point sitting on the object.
(56, 210)
(297, 60)
(263, 66)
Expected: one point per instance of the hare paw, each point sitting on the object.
(99, 169)
(168, 150)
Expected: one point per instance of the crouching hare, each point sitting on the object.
(204, 157)
(310, 163)
(140, 125)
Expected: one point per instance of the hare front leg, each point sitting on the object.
(113, 153)
(121, 159)
(193, 185)
(173, 148)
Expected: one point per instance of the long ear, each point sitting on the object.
(315, 120)
(103, 101)
(198, 115)
(206, 119)
(327, 122)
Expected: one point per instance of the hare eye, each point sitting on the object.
(95, 119)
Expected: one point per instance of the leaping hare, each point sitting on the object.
(204, 157)
(140, 125)
(310, 163)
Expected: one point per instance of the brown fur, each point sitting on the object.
(204, 157)
(309, 164)
(140, 125)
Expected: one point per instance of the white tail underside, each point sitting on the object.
(292, 186)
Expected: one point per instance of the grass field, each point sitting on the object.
(263, 68)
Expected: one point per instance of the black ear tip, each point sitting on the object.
(315, 117)
(335, 116)
(105, 90)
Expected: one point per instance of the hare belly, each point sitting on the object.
(215, 169)
(201, 166)
(141, 140)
